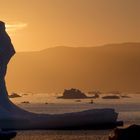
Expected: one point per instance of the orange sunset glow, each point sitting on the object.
(39, 24)
(69, 65)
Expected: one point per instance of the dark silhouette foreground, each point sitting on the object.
(130, 133)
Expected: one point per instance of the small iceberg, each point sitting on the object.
(14, 95)
(75, 94)
(111, 97)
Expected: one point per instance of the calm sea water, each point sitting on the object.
(128, 109)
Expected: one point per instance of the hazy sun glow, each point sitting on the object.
(15, 26)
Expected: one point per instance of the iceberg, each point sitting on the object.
(13, 117)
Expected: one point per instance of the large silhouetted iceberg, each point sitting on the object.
(13, 117)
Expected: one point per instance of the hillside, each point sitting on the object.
(109, 67)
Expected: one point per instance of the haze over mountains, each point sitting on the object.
(108, 67)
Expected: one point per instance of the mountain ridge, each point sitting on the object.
(87, 68)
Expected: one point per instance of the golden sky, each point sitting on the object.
(39, 24)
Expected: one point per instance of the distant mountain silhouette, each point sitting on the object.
(109, 67)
